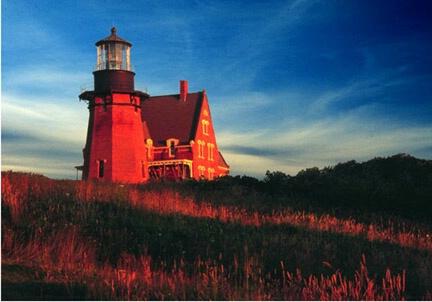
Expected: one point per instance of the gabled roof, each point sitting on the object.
(169, 117)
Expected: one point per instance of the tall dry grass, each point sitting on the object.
(169, 202)
(134, 279)
(58, 226)
(65, 258)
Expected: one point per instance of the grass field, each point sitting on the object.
(69, 240)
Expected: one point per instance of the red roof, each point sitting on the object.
(169, 117)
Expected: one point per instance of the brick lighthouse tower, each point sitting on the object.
(115, 148)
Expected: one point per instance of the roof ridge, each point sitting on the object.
(175, 94)
(196, 115)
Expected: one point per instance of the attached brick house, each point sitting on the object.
(133, 136)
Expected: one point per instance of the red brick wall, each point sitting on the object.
(117, 138)
(205, 137)
(100, 144)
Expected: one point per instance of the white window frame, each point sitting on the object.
(201, 171)
(210, 151)
(201, 145)
(210, 172)
(205, 127)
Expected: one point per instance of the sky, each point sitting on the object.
(291, 84)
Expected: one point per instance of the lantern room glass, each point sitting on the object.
(113, 56)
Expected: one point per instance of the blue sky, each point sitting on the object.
(291, 84)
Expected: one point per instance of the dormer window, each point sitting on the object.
(171, 144)
(172, 149)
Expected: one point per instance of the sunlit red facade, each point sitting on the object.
(133, 136)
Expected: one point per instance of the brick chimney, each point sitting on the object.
(183, 90)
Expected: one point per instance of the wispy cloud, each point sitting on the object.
(322, 143)
(40, 117)
(291, 84)
(42, 136)
(50, 150)
(47, 76)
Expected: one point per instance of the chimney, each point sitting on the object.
(183, 90)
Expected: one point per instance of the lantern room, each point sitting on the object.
(113, 68)
(113, 53)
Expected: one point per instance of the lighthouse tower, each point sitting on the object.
(115, 147)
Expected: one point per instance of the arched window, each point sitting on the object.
(171, 144)
(210, 151)
(201, 145)
(210, 172)
(205, 127)
(201, 171)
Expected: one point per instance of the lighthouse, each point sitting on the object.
(115, 147)
(132, 136)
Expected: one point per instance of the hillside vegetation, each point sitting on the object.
(351, 232)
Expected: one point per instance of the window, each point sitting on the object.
(172, 149)
(205, 127)
(101, 168)
(106, 100)
(171, 145)
(201, 145)
(210, 151)
(201, 171)
(210, 172)
(133, 101)
(101, 57)
(115, 55)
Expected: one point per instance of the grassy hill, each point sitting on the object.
(354, 231)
